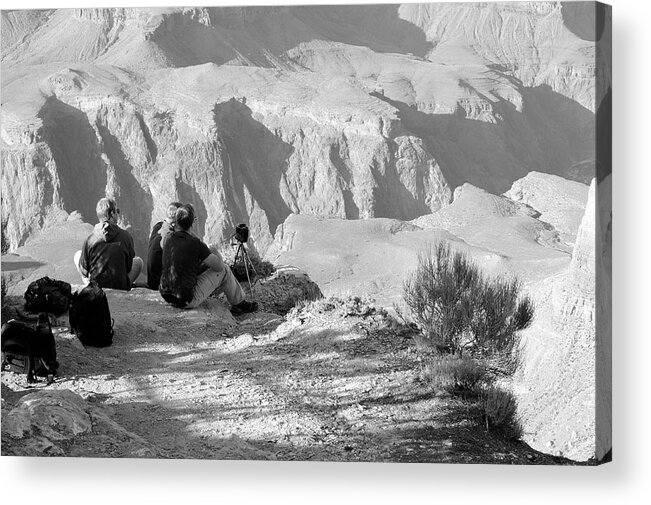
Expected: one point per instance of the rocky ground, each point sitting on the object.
(329, 381)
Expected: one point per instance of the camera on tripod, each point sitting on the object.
(241, 233)
(242, 267)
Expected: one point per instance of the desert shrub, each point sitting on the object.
(439, 295)
(499, 410)
(459, 309)
(498, 315)
(263, 268)
(349, 306)
(456, 375)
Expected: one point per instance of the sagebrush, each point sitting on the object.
(499, 409)
(455, 375)
(461, 310)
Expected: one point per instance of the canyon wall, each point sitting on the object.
(256, 113)
(560, 406)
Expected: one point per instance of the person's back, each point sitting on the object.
(155, 249)
(192, 271)
(107, 256)
(183, 255)
(154, 257)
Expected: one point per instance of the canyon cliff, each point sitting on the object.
(254, 114)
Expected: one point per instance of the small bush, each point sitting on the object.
(261, 269)
(439, 296)
(350, 306)
(499, 409)
(456, 375)
(459, 310)
(498, 316)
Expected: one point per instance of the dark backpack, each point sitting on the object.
(30, 350)
(90, 318)
(48, 295)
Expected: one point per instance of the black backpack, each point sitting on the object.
(48, 295)
(90, 318)
(30, 349)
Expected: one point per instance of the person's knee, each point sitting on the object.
(76, 258)
(77, 261)
(136, 267)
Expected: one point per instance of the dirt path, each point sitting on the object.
(328, 383)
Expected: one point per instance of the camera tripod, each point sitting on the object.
(242, 254)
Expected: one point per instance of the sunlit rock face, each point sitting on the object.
(256, 113)
(562, 351)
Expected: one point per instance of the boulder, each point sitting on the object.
(61, 423)
(287, 287)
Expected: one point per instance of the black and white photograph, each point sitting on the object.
(321, 233)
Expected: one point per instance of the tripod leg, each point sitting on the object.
(247, 261)
(237, 254)
(248, 258)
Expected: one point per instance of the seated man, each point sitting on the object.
(107, 255)
(191, 271)
(155, 250)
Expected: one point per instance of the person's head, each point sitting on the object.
(107, 210)
(171, 211)
(184, 217)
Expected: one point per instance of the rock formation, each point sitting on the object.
(562, 351)
(256, 113)
(285, 289)
(62, 423)
(559, 202)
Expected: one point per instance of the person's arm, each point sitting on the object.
(215, 262)
(84, 260)
(211, 258)
(131, 251)
(165, 231)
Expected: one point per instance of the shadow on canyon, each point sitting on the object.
(75, 149)
(255, 161)
(586, 20)
(551, 134)
(135, 202)
(260, 36)
(89, 162)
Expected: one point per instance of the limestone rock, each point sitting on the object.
(287, 287)
(557, 387)
(495, 223)
(60, 422)
(213, 106)
(560, 202)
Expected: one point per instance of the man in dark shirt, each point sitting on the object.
(191, 271)
(155, 250)
(107, 255)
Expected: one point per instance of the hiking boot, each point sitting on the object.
(244, 307)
